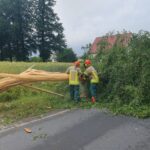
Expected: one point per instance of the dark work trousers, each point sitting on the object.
(93, 89)
(74, 92)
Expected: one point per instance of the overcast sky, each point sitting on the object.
(84, 20)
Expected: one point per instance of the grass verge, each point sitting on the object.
(26, 103)
(19, 102)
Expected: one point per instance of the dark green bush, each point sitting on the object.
(127, 71)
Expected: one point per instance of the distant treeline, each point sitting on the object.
(28, 26)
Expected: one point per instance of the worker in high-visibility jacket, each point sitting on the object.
(74, 74)
(94, 79)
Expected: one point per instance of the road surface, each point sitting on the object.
(79, 130)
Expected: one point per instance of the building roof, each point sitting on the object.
(112, 39)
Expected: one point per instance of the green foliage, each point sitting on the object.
(66, 55)
(12, 94)
(16, 24)
(35, 59)
(28, 26)
(127, 72)
(50, 37)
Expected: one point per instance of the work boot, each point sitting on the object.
(93, 100)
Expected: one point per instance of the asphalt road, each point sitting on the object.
(80, 130)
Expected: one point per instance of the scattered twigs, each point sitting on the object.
(42, 90)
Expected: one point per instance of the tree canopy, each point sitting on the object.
(29, 26)
(67, 55)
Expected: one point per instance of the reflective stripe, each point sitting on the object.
(92, 73)
(73, 77)
(95, 78)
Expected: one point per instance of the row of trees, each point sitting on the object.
(28, 26)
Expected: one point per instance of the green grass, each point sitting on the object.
(142, 111)
(15, 67)
(19, 103)
(30, 103)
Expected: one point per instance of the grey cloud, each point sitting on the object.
(84, 20)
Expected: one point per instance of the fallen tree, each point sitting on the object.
(29, 76)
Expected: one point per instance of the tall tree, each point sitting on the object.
(66, 55)
(5, 30)
(26, 26)
(16, 29)
(23, 29)
(49, 31)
